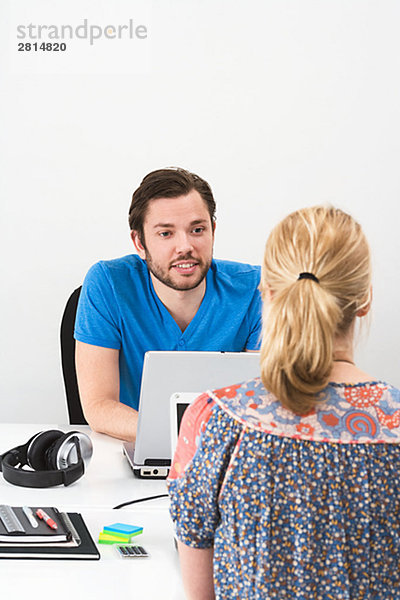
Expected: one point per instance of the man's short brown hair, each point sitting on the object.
(167, 183)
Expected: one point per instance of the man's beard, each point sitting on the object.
(167, 279)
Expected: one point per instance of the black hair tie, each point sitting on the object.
(308, 276)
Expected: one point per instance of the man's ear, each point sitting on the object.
(213, 224)
(138, 244)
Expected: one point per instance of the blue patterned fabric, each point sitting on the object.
(295, 507)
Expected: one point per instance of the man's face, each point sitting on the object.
(178, 240)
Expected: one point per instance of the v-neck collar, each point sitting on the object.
(197, 317)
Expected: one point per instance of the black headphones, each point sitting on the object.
(56, 458)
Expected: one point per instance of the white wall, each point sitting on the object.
(277, 103)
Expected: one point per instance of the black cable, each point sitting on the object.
(140, 500)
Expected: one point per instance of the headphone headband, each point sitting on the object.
(63, 458)
(38, 479)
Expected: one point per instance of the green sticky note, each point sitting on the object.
(137, 531)
(107, 538)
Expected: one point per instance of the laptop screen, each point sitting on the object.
(178, 404)
(180, 409)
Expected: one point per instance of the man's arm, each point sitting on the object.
(197, 572)
(98, 380)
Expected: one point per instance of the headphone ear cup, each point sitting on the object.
(53, 452)
(64, 452)
(36, 454)
(22, 450)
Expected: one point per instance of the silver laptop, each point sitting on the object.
(165, 373)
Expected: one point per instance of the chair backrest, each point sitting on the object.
(68, 360)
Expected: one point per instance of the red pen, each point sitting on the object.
(49, 521)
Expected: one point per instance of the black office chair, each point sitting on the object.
(68, 360)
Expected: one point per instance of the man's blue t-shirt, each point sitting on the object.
(118, 308)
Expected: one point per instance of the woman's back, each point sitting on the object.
(293, 492)
(296, 506)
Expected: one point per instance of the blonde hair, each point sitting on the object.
(304, 316)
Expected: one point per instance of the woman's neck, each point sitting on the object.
(343, 347)
(344, 368)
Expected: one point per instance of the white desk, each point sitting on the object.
(108, 482)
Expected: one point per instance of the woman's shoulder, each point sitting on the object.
(193, 425)
(348, 413)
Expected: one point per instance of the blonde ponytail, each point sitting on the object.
(303, 316)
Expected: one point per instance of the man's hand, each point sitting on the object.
(98, 380)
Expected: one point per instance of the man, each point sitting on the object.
(172, 295)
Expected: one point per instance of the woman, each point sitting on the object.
(288, 486)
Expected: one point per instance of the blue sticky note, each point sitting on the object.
(123, 528)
